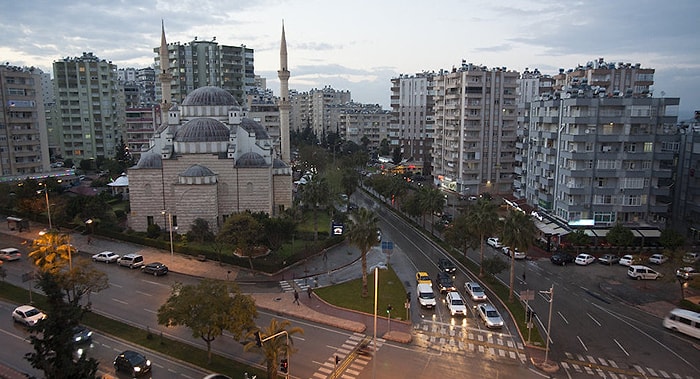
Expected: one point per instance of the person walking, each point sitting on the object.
(308, 291)
(296, 297)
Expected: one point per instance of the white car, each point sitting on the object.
(106, 257)
(490, 316)
(455, 304)
(584, 259)
(627, 260)
(658, 259)
(475, 291)
(493, 242)
(642, 272)
(518, 254)
(10, 254)
(27, 315)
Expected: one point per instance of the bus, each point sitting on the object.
(683, 321)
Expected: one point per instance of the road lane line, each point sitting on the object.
(582, 344)
(120, 301)
(563, 318)
(594, 320)
(143, 293)
(621, 348)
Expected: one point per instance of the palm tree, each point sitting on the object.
(482, 221)
(274, 348)
(315, 194)
(363, 235)
(431, 200)
(518, 233)
(52, 251)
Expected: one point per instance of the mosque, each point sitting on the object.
(209, 161)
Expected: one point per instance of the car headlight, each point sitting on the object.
(137, 368)
(148, 362)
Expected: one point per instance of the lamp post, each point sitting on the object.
(286, 335)
(170, 226)
(550, 293)
(48, 206)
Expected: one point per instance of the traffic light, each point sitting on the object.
(408, 297)
(389, 308)
(529, 314)
(284, 366)
(258, 340)
(337, 360)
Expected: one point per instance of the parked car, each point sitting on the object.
(561, 259)
(131, 260)
(132, 362)
(609, 259)
(422, 277)
(447, 266)
(106, 257)
(691, 257)
(628, 260)
(444, 282)
(489, 315)
(493, 242)
(10, 254)
(475, 292)
(687, 273)
(27, 315)
(455, 304)
(426, 296)
(657, 259)
(584, 259)
(155, 268)
(642, 272)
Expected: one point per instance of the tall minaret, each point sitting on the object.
(165, 76)
(284, 105)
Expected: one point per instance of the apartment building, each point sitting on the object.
(263, 108)
(412, 116)
(317, 109)
(364, 124)
(475, 132)
(90, 108)
(207, 63)
(141, 125)
(24, 148)
(686, 205)
(601, 159)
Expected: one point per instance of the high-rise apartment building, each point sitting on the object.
(141, 125)
(24, 146)
(686, 204)
(206, 63)
(475, 136)
(317, 109)
(90, 114)
(412, 116)
(364, 124)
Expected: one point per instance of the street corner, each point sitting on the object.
(547, 366)
(399, 337)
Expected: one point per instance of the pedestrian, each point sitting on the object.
(523, 277)
(325, 255)
(89, 240)
(296, 297)
(308, 291)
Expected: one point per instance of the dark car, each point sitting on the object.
(561, 259)
(81, 334)
(609, 259)
(155, 268)
(132, 362)
(444, 282)
(447, 266)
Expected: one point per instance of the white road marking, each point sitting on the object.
(621, 348)
(582, 344)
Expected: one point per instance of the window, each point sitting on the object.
(648, 147)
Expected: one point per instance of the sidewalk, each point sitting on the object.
(337, 264)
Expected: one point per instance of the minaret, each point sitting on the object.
(284, 105)
(165, 76)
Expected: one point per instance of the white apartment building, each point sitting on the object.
(474, 143)
(364, 124)
(412, 116)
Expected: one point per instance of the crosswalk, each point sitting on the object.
(350, 363)
(302, 284)
(608, 368)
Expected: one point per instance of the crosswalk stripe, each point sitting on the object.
(664, 374)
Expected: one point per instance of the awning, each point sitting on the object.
(601, 232)
(589, 233)
(649, 233)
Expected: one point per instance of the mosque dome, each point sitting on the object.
(149, 160)
(197, 171)
(202, 130)
(252, 126)
(209, 96)
(251, 159)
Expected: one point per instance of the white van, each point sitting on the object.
(683, 321)
(642, 272)
(131, 260)
(426, 296)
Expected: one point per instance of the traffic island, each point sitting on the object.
(548, 366)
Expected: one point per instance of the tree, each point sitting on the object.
(276, 229)
(243, 231)
(52, 251)
(200, 231)
(396, 155)
(208, 309)
(619, 235)
(671, 239)
(275, 348)
(123, 156)
(431, 200)
(315, 194)
(384, 148)
(363, 235)
(518, 233)
(482, 222)
(494, 265)
(348, 181)
(578, 238)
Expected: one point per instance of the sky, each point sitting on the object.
(361, 45)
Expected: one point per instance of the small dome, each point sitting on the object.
(202, 130)
(252, 126)
(197, 171)
(209, 96)
(278, 163)
(149, 160)
(251, 159)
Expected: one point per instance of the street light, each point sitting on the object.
(259, 341)
(48, 206)
(170, 226)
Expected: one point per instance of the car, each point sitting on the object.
(455, 304)
(447, 266)
(475, 291)
(155, 268)
(657, 259)
(518, 254)
(444, 282)
(493, 242)
(106, 257)
(81, 335)
(426, 296)
(422, 277)
(687, 273)
(10, 254)
(609, 259)
(132, 362)
(490, 316)
(584, 259)
(561, 259)
(131, 260)
(691, 257)
(642, 272)
(27, 315)
(627, 260)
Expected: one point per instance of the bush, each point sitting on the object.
(153, 231)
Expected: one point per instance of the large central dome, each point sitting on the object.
(210, 96)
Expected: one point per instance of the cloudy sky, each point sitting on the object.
(360, 45)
